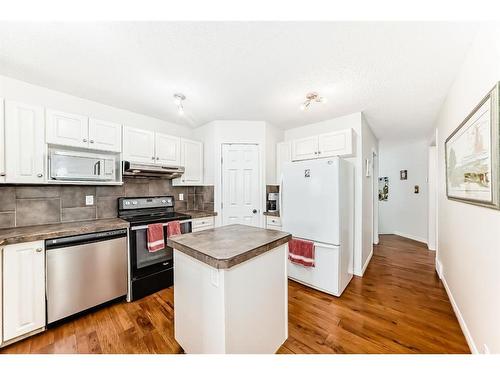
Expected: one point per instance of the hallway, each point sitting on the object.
(398, 306)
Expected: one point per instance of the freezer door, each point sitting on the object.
(310, 200)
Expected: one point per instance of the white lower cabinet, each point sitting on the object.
(273, 222)
(202, 223)
(23, 289)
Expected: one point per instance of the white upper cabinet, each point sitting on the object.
(2, 144)
(24, 143)
(105, 135)
(339, 143)
(138, 145)
(23, 289)
(192, 161)
(335, 143)
(283, 155)
(305, 148)
(167, 149)
(67, 129)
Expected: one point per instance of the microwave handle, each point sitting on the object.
(97, 168)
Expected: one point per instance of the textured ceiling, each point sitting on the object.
(398, 74)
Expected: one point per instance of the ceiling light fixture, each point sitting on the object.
(178, 100)
(311, 98)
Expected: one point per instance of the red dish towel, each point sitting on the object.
(301, 252)
(156, 241)
(174, 228)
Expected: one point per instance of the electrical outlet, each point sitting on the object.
(181, 196)
(89, 200)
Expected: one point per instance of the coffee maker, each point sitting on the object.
(273, 202)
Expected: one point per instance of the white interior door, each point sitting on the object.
(240, 184)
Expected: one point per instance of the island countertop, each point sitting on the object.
(225, 247)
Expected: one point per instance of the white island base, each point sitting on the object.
(242, 309)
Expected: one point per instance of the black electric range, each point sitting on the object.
(149, 271)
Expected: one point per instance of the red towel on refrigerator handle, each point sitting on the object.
(301, 252)
(156, 240)
(174, 228)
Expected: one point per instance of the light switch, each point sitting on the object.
(181, 196)
(89, 200)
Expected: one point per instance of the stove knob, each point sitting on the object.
(134, 202)
(163, 201)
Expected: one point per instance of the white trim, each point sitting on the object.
(367, 262)
(411, 237)
(461, 320)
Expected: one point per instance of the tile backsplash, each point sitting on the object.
(22, 205)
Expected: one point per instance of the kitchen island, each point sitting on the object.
(230, 290)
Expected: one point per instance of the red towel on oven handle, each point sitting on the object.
(174, 228)
(301, 252)
(156, 240)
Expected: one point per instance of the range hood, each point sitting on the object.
(131, 169)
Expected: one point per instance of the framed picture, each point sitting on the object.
(383, 188)
(403, 174)
(472, 155)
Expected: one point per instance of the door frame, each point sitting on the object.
(375, 220)
(260, 184)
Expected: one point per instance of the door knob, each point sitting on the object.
(254, 211)
(84, 140)
(39, 250)
(39, 175)
(91, 141)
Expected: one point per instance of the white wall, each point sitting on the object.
(273, 136)
(469, 236)
(362, 240)
(369, 147)
(12, 89)
(405, 213)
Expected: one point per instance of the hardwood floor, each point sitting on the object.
(399, 306)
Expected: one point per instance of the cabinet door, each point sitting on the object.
(105, 135)
(24, 143)
(283, 155)
(167, 149)
(192, 161)
(2, 146)
(67, 129)
(335, 143)
(23, 289)
(305, 148)
(138, 145)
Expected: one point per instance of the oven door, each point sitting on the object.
(143, 262)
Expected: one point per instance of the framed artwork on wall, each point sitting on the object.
(403, 174)
(472, 155)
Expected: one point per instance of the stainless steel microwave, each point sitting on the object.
(76, 166)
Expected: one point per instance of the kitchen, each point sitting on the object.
(158, 220)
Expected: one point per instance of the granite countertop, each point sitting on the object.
(227, 246)
(267, 213)
(42, 232)
(196, 214)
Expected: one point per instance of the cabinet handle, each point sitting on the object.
(152, 158)
(84, 140)
(39, 175)
(319, 152)
(91, 141)
(39, 250)
(315, 152)
(2, 174)
(157, 158)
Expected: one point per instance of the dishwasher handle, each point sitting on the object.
(56, 243)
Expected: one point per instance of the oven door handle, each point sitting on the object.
(165, 224)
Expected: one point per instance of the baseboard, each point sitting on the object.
(367, 262)
(412, 237)
(461, 321)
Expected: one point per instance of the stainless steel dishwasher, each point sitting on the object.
(85, 271)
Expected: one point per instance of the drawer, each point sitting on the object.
(273, 220)
(202, 223)
(274, 227)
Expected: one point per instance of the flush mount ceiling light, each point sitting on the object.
(311, 98)
(178, 100)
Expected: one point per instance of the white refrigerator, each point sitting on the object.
(317, 204)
